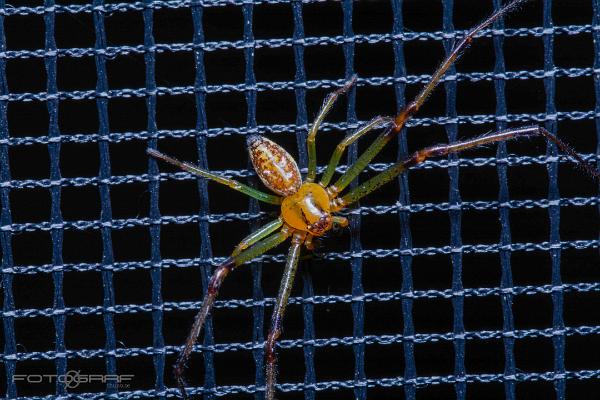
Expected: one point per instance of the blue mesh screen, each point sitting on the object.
(470, 276)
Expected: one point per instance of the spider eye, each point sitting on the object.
(322, 225)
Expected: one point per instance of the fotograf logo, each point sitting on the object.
(73, 379)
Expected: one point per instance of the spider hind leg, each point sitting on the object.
(262, 243)
(283, 296)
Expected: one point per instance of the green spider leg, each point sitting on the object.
(235, 185)
(257, 235)
(262, 243)
(312, 133)
(283, 296)
(415, 105)
(347, 141)
(441, 150)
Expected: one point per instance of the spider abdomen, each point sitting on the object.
(308, 209)
(275, 167)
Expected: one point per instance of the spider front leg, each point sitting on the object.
(283, 296)
(260, 242)
(454, 55)
(310, 140)
(445, 149)
(414, 106)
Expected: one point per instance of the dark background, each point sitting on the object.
(327, 273)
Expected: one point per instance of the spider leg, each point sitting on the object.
(414, 106)
(235, 185)
(214, 284)
(347, 141)
(312, 133)
(282, 299)
(445, 149)
(456, 52)
(361, 163)
(257, 235)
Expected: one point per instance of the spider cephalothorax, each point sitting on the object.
(308, 209)
(307, 206)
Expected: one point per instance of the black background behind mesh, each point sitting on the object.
(323, 274)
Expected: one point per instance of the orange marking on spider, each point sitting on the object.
(307, 208)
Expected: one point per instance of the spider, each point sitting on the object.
(308, 207)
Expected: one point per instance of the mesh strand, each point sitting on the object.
(447, 284)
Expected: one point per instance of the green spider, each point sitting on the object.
(308, 208)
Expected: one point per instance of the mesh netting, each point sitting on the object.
(474, 275)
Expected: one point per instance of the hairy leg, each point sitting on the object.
(414, 106)
(282, 299)
(445, 149)
(235, 185)
(214, 284)
(454, 55)
(310, 140)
